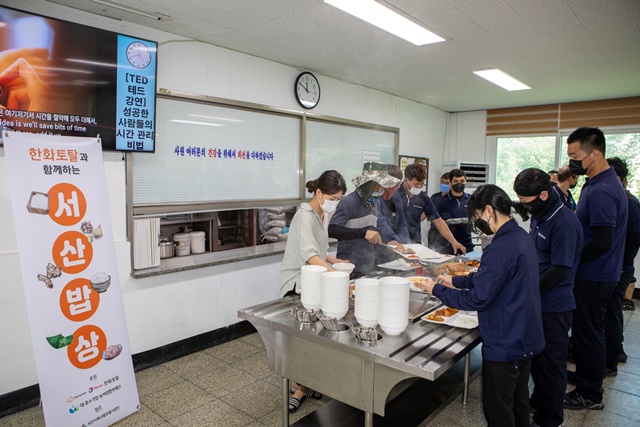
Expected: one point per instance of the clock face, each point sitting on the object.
(138, 55)
(307, 90)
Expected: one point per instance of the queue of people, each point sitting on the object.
(571, 272)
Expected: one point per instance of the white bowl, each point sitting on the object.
(337, 314)
(344, 266)
(393, 330)
(309, 306)
(367, 323)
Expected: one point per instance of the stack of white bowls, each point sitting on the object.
(311, 286)
(367, 302)
(335, 294)
(393, 314)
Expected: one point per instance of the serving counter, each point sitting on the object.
(361, 374)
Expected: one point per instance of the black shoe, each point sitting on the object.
(628, 305)
(610, 372)
(623, 357)
(574, 401)
(572, 377)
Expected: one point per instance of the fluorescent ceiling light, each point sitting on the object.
(189, 122)
(126, 8)
(388, 20)
(500, 78)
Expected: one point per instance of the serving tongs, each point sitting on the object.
(303, 315)
(330, 323)
(367, 334)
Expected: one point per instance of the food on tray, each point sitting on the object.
(451, 268)
(404, 249)
(417, 279)
(112, 352)
(446, 312)
(435, 318)
(413, 256)
(472, 263)
(38, 203)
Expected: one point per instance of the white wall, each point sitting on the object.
(164, 309)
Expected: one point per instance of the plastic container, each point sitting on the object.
(197, 242)
(183, 243)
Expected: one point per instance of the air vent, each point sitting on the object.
(477, 173)
(114, 10)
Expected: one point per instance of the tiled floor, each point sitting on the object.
(230, 385)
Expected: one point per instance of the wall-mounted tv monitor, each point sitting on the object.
(63, 78)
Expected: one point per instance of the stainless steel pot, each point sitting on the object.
(167, 249)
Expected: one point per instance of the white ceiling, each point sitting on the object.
(567, 50)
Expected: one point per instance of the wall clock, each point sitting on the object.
(307, 90)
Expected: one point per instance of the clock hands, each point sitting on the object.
(305, 87)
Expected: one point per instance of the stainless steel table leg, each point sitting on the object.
(368, 419)
(467, 369)
(285, 402)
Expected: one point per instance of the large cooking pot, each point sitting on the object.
(166, 248)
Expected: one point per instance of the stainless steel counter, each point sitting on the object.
(363, 375)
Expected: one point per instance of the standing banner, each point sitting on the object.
(70, 277)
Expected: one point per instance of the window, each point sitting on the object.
(517, 153)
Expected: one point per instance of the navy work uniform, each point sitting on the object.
(414, 207)
(453, 210)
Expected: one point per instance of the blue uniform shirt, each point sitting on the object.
(603, 203)
(413, 208)
(394, 213)
(505, 291)
(453, 210)
(557, 236)
(567, 200)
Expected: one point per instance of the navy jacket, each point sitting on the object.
(414, 207)
(454, 212)
(505, 292)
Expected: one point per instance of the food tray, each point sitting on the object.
(399, 265)
(422, 253)
(462, 319)
(413, 287)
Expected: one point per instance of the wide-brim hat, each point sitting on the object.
(377, 172)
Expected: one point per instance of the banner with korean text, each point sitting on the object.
(70, 277)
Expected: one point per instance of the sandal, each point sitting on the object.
(294, 404)
(313, 394)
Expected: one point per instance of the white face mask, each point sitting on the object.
(377, 193)
(415, 191)
(330, 205)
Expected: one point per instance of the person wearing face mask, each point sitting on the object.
(418, 206)
(444, 188)
(359, 224)
(308, 237)
(557, 235)
(391, 208)
(453, 210)
(505, 292)
(602, 211)
(567, 181)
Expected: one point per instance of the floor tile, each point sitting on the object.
(233, 350)
(177, 400)
(256, 365)
(632, 365)
(256, 400)
(194, 364)
(253, 339)
(623, 404)
(605, 418)
(274, 418)
(466, 416)
(215, 413)
(155, 379)
(574, 418)
(221, 382)
(256, 423)
(145, 417)
(32, 417)
(625, 382)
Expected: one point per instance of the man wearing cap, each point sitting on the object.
(557, 235)
(417, 206)
(358, 222)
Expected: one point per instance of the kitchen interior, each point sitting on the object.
(188, 296)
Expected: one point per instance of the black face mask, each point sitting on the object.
(536, 207)
(458, 188)
(575, 166)
(483, 226)
(572, 186)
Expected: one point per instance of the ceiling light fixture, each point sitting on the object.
(191, 122)
(126, 8)
(382, 17)
(502, 79)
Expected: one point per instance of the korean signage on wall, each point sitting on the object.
(135, 107)
(70, 278)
